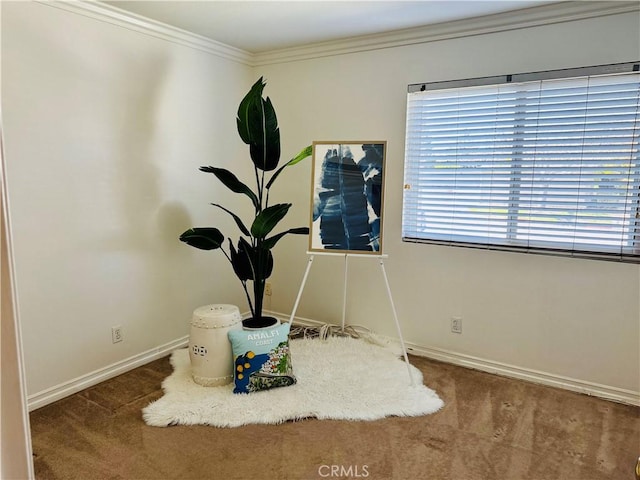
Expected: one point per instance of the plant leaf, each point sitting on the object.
(242, 260)
(247, 264)
(232, 183)
(270, 242)
(247, 105)
(267, 266)
(268, 219)
(304, 153)
(238, 220)
(207, 238)
(258, 127)
(265, 136)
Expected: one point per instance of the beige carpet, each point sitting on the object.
(491, 428)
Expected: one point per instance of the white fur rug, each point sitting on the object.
(338, 378)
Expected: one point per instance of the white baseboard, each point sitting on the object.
(65, 389)
(606, 392)
(543, 378)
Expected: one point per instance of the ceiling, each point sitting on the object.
(260, 26)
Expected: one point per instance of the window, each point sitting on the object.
(542, 163)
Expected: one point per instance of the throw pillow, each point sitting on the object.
(261, 358)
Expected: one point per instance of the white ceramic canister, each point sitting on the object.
(209, 347)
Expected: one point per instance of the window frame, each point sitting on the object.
(630, 254)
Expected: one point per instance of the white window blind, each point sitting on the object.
(550, 165)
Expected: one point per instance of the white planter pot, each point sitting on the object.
(209, 348)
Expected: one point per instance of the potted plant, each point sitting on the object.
(251, 259)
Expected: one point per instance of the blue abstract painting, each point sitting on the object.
(347, 197)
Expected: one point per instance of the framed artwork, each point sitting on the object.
(347, 190)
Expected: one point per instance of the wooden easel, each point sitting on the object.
(346, 256)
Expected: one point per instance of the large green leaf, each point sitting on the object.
(266, 154)
(232, 183)
(258, 127)
(247, 105)
(265, 146)
(238, 220)
(242, 260)
(270, 242)
(304, 153)
(267, 264)
(268, 219)
(206, 238)
(251, 263)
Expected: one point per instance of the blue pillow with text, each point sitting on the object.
(261, 358)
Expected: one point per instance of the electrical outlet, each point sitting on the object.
(116, 334)
(267, 289)
(456, 324)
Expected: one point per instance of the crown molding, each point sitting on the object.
(122, 18)
(499, 22)
(518, 19)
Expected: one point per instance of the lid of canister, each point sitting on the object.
(220, 315)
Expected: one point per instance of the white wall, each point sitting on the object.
(105, 130)
(567, 317)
